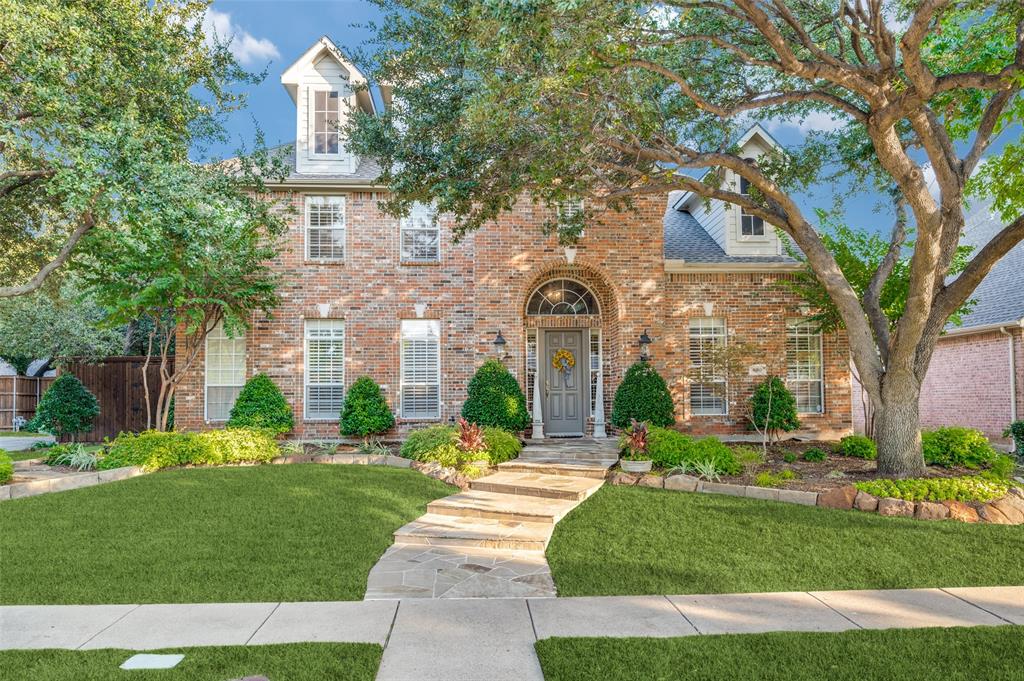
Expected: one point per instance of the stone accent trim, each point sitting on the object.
(34, 488)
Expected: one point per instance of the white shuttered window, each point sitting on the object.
(421, 236)
(708, 391)
(804, 366)
(421, 369)
(225, 372)
(325, 227)
(325, 368)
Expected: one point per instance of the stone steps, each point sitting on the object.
(512, 507)
(583, 455)
(588, 469)
(538, 485)
(435, 529)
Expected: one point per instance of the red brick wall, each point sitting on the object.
(482, 285)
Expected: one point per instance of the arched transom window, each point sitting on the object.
(562, 296)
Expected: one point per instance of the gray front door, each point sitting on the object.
(564, 403)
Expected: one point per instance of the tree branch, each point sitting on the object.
(87, 222)
(873, 292)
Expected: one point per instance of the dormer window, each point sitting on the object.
(750, 225)
(326, 136)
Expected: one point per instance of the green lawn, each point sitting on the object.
(262, 533)
(631, 540)
(294, 662)
(959, 654)
(25, 454)
(19, 433)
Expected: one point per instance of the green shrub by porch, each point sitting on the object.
(642, 395)
(439, 443)
(67, 407)
(366, 411)
(494, 398)
(261, 405)
(773, 407)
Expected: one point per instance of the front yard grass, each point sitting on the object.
(957, 654)
(633, 541)
(296, 662)
(299, 532)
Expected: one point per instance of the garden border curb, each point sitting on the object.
(32, 488)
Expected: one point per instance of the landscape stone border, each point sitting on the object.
(1007, 510)
(32, 488)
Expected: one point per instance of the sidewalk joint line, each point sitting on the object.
(676, 607)
(994, 614)
(271, 614)
(843, 615)
(533, 625)
(394, 618)
(137, 606)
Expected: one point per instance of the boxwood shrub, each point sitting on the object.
(858, 446)
(6, 467)
(261, 405)
(66, 408)
(494, 398)
(966, 488)
(153, 450)
(642, 395)
(955, 446)
(365, 412)
(438, 443)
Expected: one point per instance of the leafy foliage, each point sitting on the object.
(73, 455)
(6, 467)
(815, 454)
(440, 443)
(956, 446)
(261, 404)
(471, 438)
(858, 446)
(494, 398)
(67, 407)
(967, 488)
(1016, 431)
(669, 448)
(773, 407)
(365, 411)
(153, 450)
(769, 479)
(634, 441)
(502, 445)
(642, 396)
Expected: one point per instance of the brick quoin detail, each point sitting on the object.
(482, 285)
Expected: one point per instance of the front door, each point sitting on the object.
(564, 385)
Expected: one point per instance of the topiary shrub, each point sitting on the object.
(773, 408)
(858, 446)
(261, 405)
(494, 398)
(642, 396)
(6, 467)
(954, 446)
(66, 408)
(365, 412)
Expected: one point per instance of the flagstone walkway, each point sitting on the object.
(492, 640)
(489, 541)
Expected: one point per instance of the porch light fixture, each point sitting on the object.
(644, 343)
(499, 346)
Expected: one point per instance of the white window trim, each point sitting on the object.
(594, 335)
(793, 323)
(580, 207)
(530, 338)
(312, 124)
(724, 381)
(405, 225)
(763, 236)
(327, 199)
(306, 371)
(206, 372)
(401, 374)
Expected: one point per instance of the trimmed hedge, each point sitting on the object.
(644, 396)
(859, 447)
(66, 408)
(494, 398)
(439, 443)
(365, 412)
(668, 448)
(261, 405)
(957, 447)
(967, 488)
(6, 467)
(153, 450)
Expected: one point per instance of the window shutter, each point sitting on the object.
(325, 368)
(421, 369)
(225, 372)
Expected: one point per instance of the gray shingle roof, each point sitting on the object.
(1000, 296)
(687, 240)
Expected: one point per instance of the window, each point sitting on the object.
(804, 366)
(225, 372)
(421, 369)
(531, 366)
(421, 236)
(326, 136)
(325, 368)
(595, 366)
(569, 211)
(750, 225)
(325, 227)
(707, 391)
(562, 296)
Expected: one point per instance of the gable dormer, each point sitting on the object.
(326, 88)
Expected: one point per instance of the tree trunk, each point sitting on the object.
(897, 428)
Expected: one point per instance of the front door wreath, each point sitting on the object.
(563, 360)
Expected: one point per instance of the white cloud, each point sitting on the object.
(815, 121)
(248, 49)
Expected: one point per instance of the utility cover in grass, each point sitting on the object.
(150, 661)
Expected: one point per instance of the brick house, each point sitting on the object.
(368, 294)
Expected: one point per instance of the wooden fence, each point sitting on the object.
(117, 384)
(19, 396)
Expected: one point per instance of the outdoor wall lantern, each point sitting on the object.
(499, 346)
(645, 346)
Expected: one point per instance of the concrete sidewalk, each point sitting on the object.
(493, 638)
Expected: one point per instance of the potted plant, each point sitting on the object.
(472, 443)
(635, 458)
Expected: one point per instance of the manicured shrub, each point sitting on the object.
(773, 408)
(66, 408)
(954, 446)
(494, 398)
(858, 446)
(669, 448)
(6, 467)
(366, 411)
(967, 488)
(153, 450)
(1016, 431)
(441, 444)
(261, 405)
(502, 445)
(642, 396)
(815, 454)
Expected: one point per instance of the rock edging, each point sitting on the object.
(32, 488)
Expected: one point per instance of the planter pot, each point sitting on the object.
(635, 466)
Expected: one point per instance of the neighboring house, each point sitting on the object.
(976, 376)
(367, 294)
